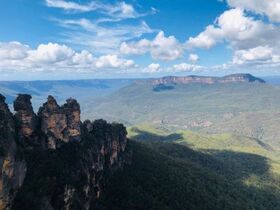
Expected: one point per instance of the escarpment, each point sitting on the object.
(233, 78)
(51, 160)
(12, 164)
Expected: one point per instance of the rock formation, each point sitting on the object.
(27, 120)
(234, 78)
(73, 112)
(52, 160)
(60, 124)
(13, 167)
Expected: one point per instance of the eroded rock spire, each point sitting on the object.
(60, 124)
(27, 120)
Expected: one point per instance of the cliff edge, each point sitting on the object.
(52, 160)
(233, 78)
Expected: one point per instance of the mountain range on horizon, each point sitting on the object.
(102, 86)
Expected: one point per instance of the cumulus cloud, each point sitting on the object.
(193, 58)
(53, 56)
(181, 67)
(166, 48)
(84, 57)
(250, 39)
(50, 53)
(152, 68)
(135, 48)
(205, 39)
(13, 50)
(113, 61)
(257, 55)
(186, 67)
(160, 48)
(270, 8)
(233, 26)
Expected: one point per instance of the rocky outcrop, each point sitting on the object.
(27, 120)
(234, 78)
(60, 124)
(73, 113)
(114, 144)
(53, 122)
(54, 161)
(13, 167)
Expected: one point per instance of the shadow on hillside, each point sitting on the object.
(151, 137)
(166, 175)
(242, 165)
(233, 165)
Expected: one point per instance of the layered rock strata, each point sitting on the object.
(234, 78)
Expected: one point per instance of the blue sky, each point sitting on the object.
(63, 39)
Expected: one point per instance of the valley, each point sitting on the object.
(140, 105)
(204, 144)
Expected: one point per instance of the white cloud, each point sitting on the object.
(69, 5)
(270, 8)
(166, 48)
(186, 67)
(152, 68)
(160, 48)
(181, 67)
(55, 57)
(101, 34)
(253, 41)
(50, 53)
(84, 57)
(13, 50)
(102, 39)
(258, 55)
(126, 10)
(193, 58)
(113, 61)
(233, 26)
(135, 48)
(111, 12)
(237, 26)
(205, 39)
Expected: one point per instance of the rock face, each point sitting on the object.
(60, 124)
(27, 120)
(73, 113)
(13, 167)
(52, 160)
(234, 78)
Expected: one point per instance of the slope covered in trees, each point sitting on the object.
(172, 176)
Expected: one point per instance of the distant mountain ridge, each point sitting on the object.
(233, 78)
(61, 89)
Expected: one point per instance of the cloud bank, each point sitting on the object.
(53, 57)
